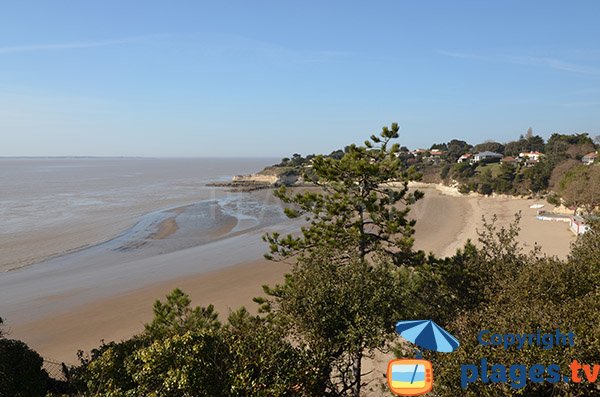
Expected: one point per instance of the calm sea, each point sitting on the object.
(37, 193)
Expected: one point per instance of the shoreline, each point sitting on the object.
(60, 320)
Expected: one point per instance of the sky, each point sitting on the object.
(270, 78)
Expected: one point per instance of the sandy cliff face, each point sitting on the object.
(256, 178)
(286, 178)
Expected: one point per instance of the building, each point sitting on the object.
(578, 225)
(508, 160)
(589, 158)
(417, 152)
(486, 156)
(531, 156)
(464, 157)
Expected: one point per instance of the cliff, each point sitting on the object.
(267, 178)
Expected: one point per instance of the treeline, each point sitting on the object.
(560, 155)
(354, 275)
(511, 175)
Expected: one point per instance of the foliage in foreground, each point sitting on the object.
(341, 307)
(245, 356)
(21, 373)
(304, 343)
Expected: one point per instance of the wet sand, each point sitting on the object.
(165, 229)
(59, 337)
(228, 273)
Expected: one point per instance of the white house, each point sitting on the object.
(532, 156)
(578, 225)
(589, 158)
(464, 157)
(482, 156)
(417, 152)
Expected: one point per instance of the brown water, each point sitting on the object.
(50, 206)
(75, 230)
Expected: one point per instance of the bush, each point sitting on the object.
(485, 188)
(464, 188)
(21, 373)
(553, 199)
(445, 171)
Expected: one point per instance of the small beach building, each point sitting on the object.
(486, 156)
(589, 158)
(578, 225)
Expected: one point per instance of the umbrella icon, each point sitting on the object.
(428, 335)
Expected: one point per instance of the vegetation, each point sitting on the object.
(246, 356)
(509, 290)
(343, 309)
(517, 176)
(21, 373)
(356, 233)
(520, 176)
(580, 187)
(357, 203)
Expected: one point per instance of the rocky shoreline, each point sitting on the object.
(238, 186)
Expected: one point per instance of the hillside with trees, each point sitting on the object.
(528, 166)
(513, 172)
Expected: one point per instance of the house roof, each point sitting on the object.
(488, 154)
(508, 158)
(591, 155)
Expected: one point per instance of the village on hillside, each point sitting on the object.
(563, 170)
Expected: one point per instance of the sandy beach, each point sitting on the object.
(445, 223)
(59, 337)
(227, 272)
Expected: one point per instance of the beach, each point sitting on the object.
(446, 222)
(106, 292)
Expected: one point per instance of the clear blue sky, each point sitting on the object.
(269, 78)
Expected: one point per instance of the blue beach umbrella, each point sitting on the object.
(428, 335)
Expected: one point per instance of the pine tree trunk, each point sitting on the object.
(357, 373)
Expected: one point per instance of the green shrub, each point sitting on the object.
(21, 373)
